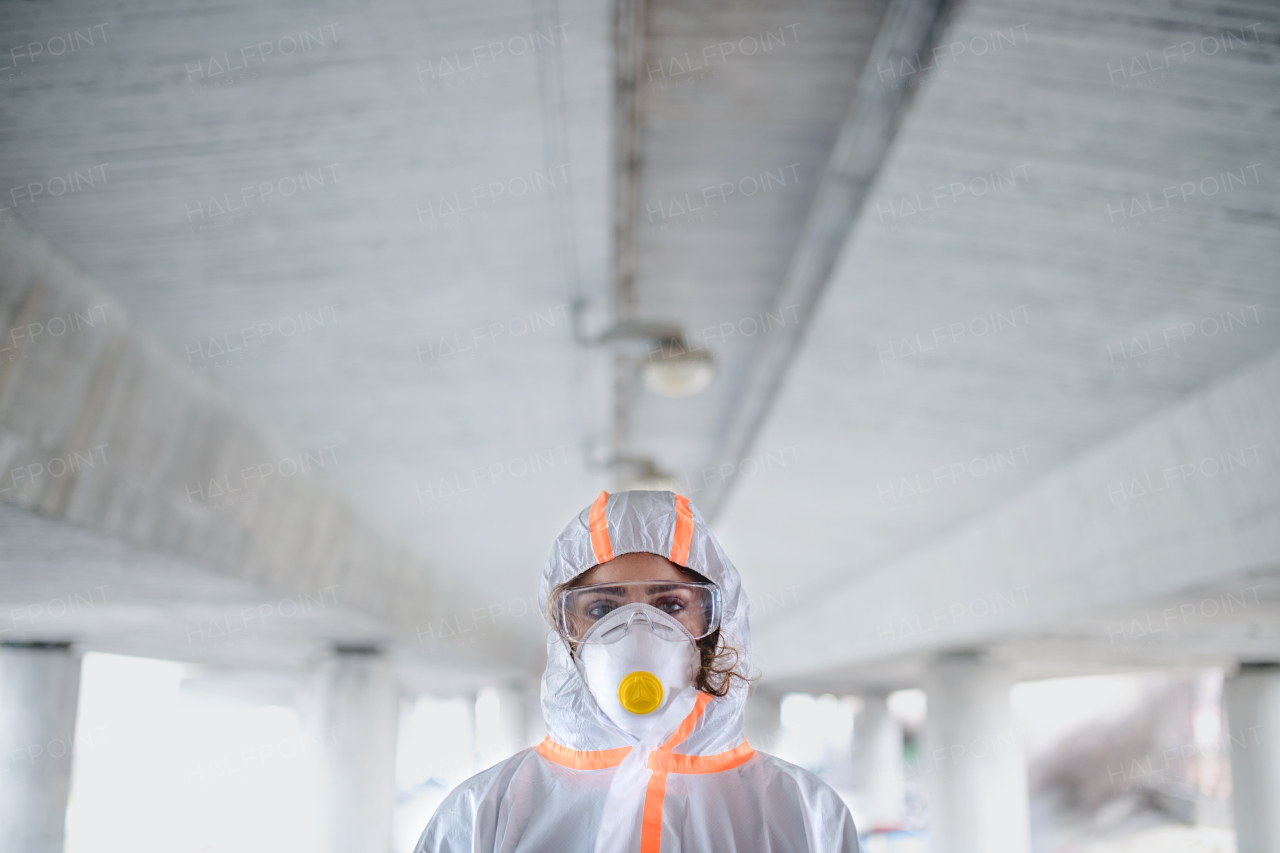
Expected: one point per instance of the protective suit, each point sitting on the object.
(690, 784)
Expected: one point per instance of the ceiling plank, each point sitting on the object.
(1098, 533)
(908, 32)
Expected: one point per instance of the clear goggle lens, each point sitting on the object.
(696, 606)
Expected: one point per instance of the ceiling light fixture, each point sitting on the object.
(682, 373)
(670, 367)
(640, 472)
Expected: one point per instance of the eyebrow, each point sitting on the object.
(610, 590)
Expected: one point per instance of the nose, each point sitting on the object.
(645, 614)
(640, 614)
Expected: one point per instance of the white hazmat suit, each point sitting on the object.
(692, 784)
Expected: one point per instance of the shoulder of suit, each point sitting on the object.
(807, 784)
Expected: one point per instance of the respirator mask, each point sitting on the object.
(635, 644)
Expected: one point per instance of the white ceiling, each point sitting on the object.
(851, 423)
(390, 284)
(766, 90)
(863, 413)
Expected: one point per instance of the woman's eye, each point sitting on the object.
(600, 609)
(671, 605)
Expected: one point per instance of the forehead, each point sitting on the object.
(638, 566)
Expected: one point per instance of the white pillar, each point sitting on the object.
(500, 726)
(1252, 698)
(535, 725)
(39, 687)
(976, 771)
(511, 728)
(352, 716)
(879, 777)
(762, 722)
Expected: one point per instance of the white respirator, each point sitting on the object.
(635, 661)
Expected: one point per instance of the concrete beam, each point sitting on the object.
(1183, 500)
(628, 41)
(909, 29)
(99, 429)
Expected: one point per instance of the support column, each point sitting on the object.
(973, 758)
(352, 713)
(500, 725)
(39, 688)
(511, 727)
(1252, 699)
(535, 725)
(762, 721)
(879, 777)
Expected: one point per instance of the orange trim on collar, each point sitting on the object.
(662, 761)
(672, 763)
(600, 529)
(579, 759)
(683, 533)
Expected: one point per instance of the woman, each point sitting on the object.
(643, 697)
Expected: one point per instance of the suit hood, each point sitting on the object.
(668, 525)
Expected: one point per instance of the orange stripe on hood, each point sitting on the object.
(683, 534)
(600, 529)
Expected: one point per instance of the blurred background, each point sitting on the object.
(958, 320)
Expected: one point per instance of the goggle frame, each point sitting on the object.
(713, 610)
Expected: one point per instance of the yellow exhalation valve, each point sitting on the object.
(640, 692)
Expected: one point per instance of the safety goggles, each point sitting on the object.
(696, 606)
